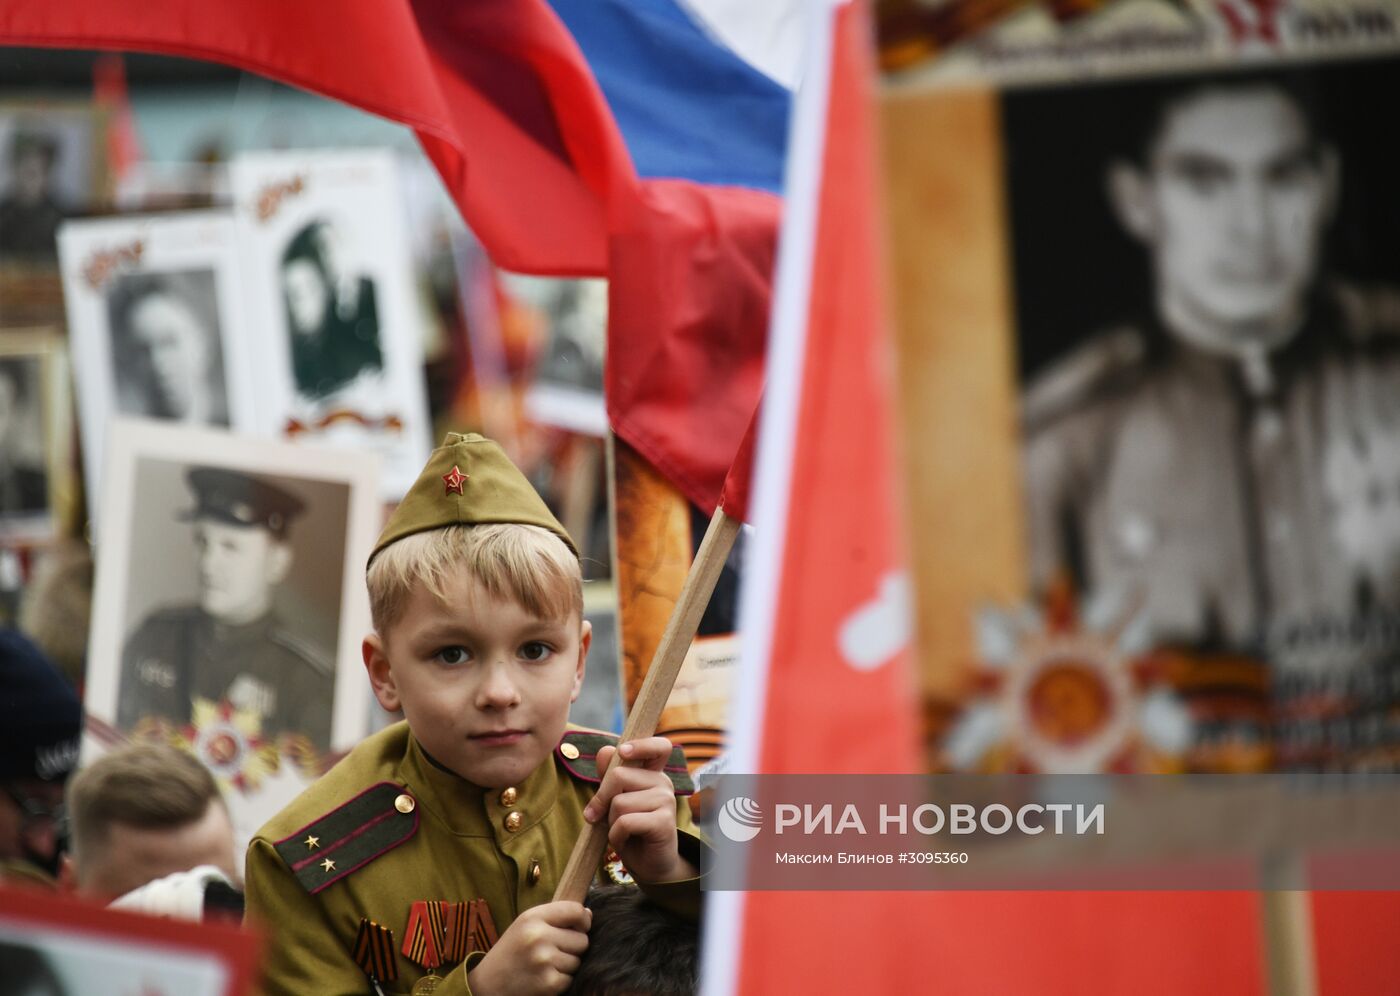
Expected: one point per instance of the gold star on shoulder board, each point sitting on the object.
(312, 843)
(328, 865)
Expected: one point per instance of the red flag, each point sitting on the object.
(506, 107)
(816, 697)
(825, 685)
(497, 91)
(109, 92)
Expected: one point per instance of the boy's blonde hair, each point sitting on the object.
(527, 564)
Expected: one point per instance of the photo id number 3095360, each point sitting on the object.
(933, 857)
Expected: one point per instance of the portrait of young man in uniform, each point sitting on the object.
(166, 353)
(1229, 459)
(231, 644)
(30, 209)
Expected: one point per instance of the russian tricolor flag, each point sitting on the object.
(618, 138)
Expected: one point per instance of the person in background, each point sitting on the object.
(41, 721)
(635, 946)
(150, 833)
(55, 608)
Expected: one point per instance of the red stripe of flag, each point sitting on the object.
(508, 110)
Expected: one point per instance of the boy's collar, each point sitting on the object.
(468, 809)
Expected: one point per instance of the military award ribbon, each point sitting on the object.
(374, 953)
(440, 932)
(423, 941)
(481, 929)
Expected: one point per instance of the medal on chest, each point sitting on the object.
(374, 953)
(616, 871)
(440, 932)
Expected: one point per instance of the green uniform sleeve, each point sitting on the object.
(682, 897)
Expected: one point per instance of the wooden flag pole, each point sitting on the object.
(656, 688)
(1287, 926)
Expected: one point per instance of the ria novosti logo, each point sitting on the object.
(740, 819)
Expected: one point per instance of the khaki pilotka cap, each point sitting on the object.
(469, 481)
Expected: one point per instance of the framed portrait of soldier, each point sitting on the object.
(156, 316)
(36, 484)
(334, 315)
(52, 167)
(230, 603)
(1150, 364)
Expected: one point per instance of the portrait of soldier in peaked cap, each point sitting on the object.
(236, 639)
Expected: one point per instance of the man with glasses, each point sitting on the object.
(40, 722)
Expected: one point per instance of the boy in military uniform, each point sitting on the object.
(426, 860)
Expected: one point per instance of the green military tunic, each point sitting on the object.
(182, 653)
(17, 871)
(387, 827)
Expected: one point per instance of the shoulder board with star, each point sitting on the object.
(349, 837)
(578, 752)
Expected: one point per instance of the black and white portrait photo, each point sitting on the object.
(157, 313)
(167, 351)
(566, 386)
(35, 433)
(47, 173)
(228, 588)
(1148, 326)
(1207, 298)
(331, 313)
(24, 480)
(334, 316)
(251, 630)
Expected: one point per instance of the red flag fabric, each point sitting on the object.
(815, 698)
(496, 90)
(825, 684)
(688, 313)
(109, 93)
(504, 104)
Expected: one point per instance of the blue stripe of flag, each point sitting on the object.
(688, 108)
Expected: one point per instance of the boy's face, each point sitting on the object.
(485, 684)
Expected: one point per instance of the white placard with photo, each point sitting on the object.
(230, 604)
(155, 315)
(56, 945)
(566, 388)
(335, 319)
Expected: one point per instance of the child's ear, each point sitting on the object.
(381, 675)
(585, 640)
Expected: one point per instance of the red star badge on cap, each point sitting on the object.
(454, 481)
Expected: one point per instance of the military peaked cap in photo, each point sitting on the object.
(469, 481)
(240, 499)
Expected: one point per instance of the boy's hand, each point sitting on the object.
(640, 804)
(538, 953)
